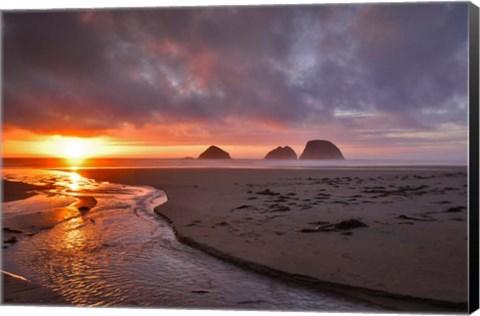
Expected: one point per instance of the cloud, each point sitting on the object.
(92, 72)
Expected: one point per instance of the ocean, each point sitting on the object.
(53, 163)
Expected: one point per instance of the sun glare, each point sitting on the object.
(74, 180)
(73, 149)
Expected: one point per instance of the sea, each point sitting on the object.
(221, 163)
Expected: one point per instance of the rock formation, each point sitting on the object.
(321, 149)
(213, 152)
(281, 153)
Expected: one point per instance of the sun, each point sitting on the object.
(73, 149)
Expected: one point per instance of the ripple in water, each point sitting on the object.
(121, 254)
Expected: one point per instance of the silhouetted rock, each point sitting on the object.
(213, 152)
(281, 153)
(321, 149)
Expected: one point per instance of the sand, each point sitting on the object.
(13, 191)
(413, 249)
(19, 291)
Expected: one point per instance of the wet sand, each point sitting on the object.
(22, 291)
(396, 236)
(16, 225)
(17, 290)
(13, 191)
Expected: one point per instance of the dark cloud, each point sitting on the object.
(83, 72)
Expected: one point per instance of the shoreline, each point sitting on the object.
(388, 300)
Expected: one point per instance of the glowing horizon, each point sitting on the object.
(76, 149)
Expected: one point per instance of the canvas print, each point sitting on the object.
(292, 158)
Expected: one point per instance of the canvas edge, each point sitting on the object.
(473, 13)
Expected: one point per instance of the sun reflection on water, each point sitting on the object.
(74, 181)
(74, 238)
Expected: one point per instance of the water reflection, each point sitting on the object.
(74, 181)
(74, 163)
(82, 256)
(74, 238)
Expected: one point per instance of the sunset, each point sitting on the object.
(164, 83)
(313, 158)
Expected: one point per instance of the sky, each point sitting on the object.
(379, 80)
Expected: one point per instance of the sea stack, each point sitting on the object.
(213, 152)
(282, 153)
(321, 150)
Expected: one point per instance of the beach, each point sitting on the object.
(414, 245)
(392, 236)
